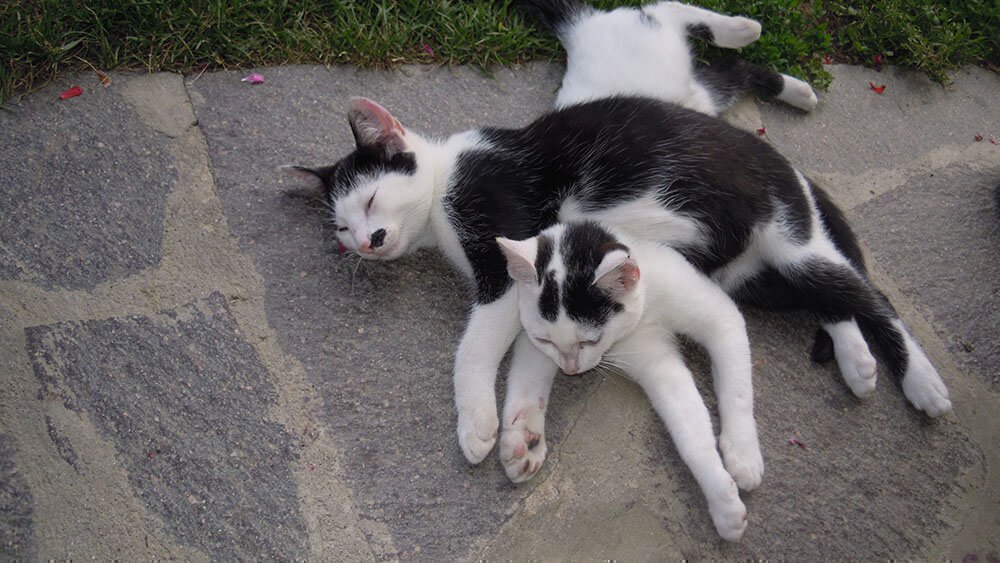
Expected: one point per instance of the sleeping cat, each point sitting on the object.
(726, 200)
(582, 299)
(644, 51)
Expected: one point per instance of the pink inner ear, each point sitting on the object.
(629, 274)
(387, 124)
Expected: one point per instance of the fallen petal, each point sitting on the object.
(428, 49)
(827, 60)
(978, 137)
(993, 139)
(253, 79)
(877, 63)
(762, 131)
(104, 78)
(796, 442)
(71, 93)
(877, 89)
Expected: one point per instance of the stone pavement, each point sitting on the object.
(191, 371)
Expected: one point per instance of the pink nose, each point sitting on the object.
(365, 247)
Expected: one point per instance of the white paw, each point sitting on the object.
(729, 515)
(923, 387)
(855, 360)
(742, 459)
(522, 444)
(858, 368)
(798, 93)
(477, 431)
(736, 32)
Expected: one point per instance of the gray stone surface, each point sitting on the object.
(376, 339)
(853, 129)
(184, 400)
(949, 219)
(17, 540)
(321, 424)
(84, 188)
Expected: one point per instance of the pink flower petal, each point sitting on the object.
(762, 131)
(428, 49)
(71, 93)
(978, 137)
(253, 79)
(877, 89)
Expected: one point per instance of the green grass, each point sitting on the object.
(40, 38)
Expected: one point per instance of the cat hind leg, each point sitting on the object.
(730, 32)
(729, 78)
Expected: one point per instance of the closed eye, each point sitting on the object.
(342, 229)
(585, 343)
(371, 201)
(543, 340)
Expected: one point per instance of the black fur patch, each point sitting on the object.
(367, 162)
(582, 248)
(544, 256)
(555, 14)
(701, 31)
(728, 78)
(836, 293)
(548, 301)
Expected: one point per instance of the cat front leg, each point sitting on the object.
(711, 318)
(489, 333)
(656, 365)
(522, 439)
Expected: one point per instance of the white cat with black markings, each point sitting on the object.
(588, 297)
(726, 200)
(644, 51)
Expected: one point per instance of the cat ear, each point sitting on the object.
(520, 256)
(375, 128)
(617, 273)
(312, 178)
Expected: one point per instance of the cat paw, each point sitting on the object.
(858, 369)
(729, 515)
(855, 360)
(923, 387)
(522, 444)
(477, 433)
(736, 32)
(742, 459)
(797, 93)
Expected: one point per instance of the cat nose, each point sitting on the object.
(378, 238)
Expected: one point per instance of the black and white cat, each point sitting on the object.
(644, 51)
(584, 302)
(725, 199)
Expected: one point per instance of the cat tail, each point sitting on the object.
(556, 15)
(730, 77)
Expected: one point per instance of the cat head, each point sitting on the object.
(379, 197)
(578, 292)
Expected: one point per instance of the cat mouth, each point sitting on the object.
(385, 252)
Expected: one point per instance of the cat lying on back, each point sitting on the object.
(726, 200)
(644, 51)
(583, 300)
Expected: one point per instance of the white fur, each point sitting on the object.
(670, 297)
(856, 363)
(643, 218)
(921, 383)
(490, 332)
